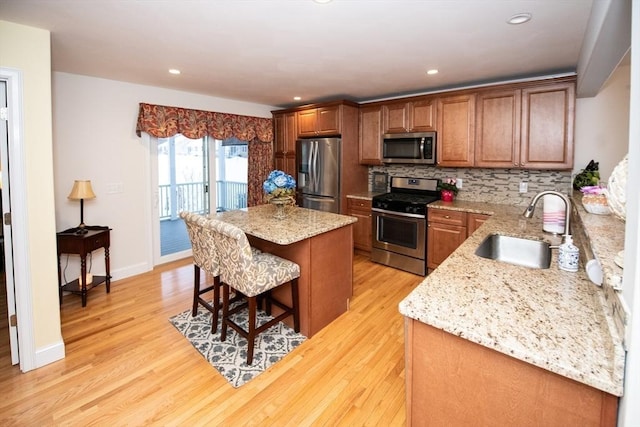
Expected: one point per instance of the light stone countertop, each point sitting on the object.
(300, 224)
(365, 195)
(553, 319)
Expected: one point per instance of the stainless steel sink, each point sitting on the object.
(515, 250)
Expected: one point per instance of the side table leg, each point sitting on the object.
(83, 280)
(59, 280)
(107, 269)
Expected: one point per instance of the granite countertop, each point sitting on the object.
(553, 319)
(300, 224)
(365, 195)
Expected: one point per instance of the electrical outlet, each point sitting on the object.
(524, 187)
(459, 182)
(114, 187)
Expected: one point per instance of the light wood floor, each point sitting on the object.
(127, 365)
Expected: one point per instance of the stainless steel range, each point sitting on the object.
(400, 224)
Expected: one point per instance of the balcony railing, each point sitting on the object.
(191, 197)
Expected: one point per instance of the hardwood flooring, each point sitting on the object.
(127, 365)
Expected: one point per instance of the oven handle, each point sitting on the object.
(403, 214)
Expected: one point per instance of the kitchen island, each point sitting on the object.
(490, 343)
(321, 243)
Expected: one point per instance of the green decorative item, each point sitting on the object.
(589, 176)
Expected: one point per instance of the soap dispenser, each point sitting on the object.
(568, 255)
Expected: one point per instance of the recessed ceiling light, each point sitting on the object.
(174, 71)
(296, 98)
(519, 18)
(323, 1)
(432, 72)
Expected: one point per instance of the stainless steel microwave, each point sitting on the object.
(409, 148)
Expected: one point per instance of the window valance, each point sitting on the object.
(163, 122)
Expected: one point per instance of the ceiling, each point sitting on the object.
(268, 51)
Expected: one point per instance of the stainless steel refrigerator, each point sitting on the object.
(318, 164)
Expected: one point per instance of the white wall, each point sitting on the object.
(602, 125)
(94, 138)
(27, 49)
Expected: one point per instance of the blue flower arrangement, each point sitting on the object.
(279, 185)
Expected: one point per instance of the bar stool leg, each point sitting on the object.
(251, 336)
(225, 311)
(196, 289)
(216, 304)
(294, 304)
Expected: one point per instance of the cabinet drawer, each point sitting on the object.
(448, 217)
(358, 203)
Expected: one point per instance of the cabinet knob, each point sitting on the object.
(447, 216)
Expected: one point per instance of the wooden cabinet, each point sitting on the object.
(321, 121)
(408, 116)
(456, 130)
(446, 231)
(547, 126)
(528, 128)
(370, 141)
(474, 221)
(498, 129)
(454, 382)
(362, 233)
(285, 135)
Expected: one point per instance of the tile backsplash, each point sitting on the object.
(487, 185)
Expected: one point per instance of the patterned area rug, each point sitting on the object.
(230, 357)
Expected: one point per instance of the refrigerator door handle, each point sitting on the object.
(314, 168)
(311, 154)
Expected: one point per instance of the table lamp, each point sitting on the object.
(81, 190)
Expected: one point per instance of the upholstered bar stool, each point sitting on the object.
(253, 275)
(204, 258)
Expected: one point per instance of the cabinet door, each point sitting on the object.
(396, 117)
(370, 135)
(474, 221)
(456, 130)
(307, 122)
(285, 134)
(362, 233)
(422, 116)
(328, 120)
(498, 129)
(547, 126)
(442, 240)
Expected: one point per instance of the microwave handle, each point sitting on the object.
(422, 148)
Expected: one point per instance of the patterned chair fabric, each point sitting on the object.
(202, 243)
(249, 272)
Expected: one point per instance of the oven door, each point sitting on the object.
(400, 233)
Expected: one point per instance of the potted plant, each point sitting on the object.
(448, 189)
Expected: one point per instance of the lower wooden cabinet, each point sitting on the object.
(455, 382)
(361, 209)
(447, 230)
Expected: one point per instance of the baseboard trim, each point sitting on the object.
(50, 354)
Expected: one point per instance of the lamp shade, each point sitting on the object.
(81, 190)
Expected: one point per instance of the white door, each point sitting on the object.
(6, 229)
(180, 181)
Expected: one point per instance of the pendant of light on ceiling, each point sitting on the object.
(519, 18)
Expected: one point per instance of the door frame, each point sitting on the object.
(19, 253)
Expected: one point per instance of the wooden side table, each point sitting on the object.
(70, 242)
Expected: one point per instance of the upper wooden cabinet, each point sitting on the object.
(370, 147)
(321, 121)
(456, 130)
(547, 126)
(498, 129)
(285, 135)
(408, 116)
(529, 128)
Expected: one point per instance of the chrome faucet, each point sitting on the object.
(528, 213)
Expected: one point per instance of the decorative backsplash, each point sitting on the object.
(487, 185)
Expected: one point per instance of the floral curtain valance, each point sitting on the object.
(163, 122)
